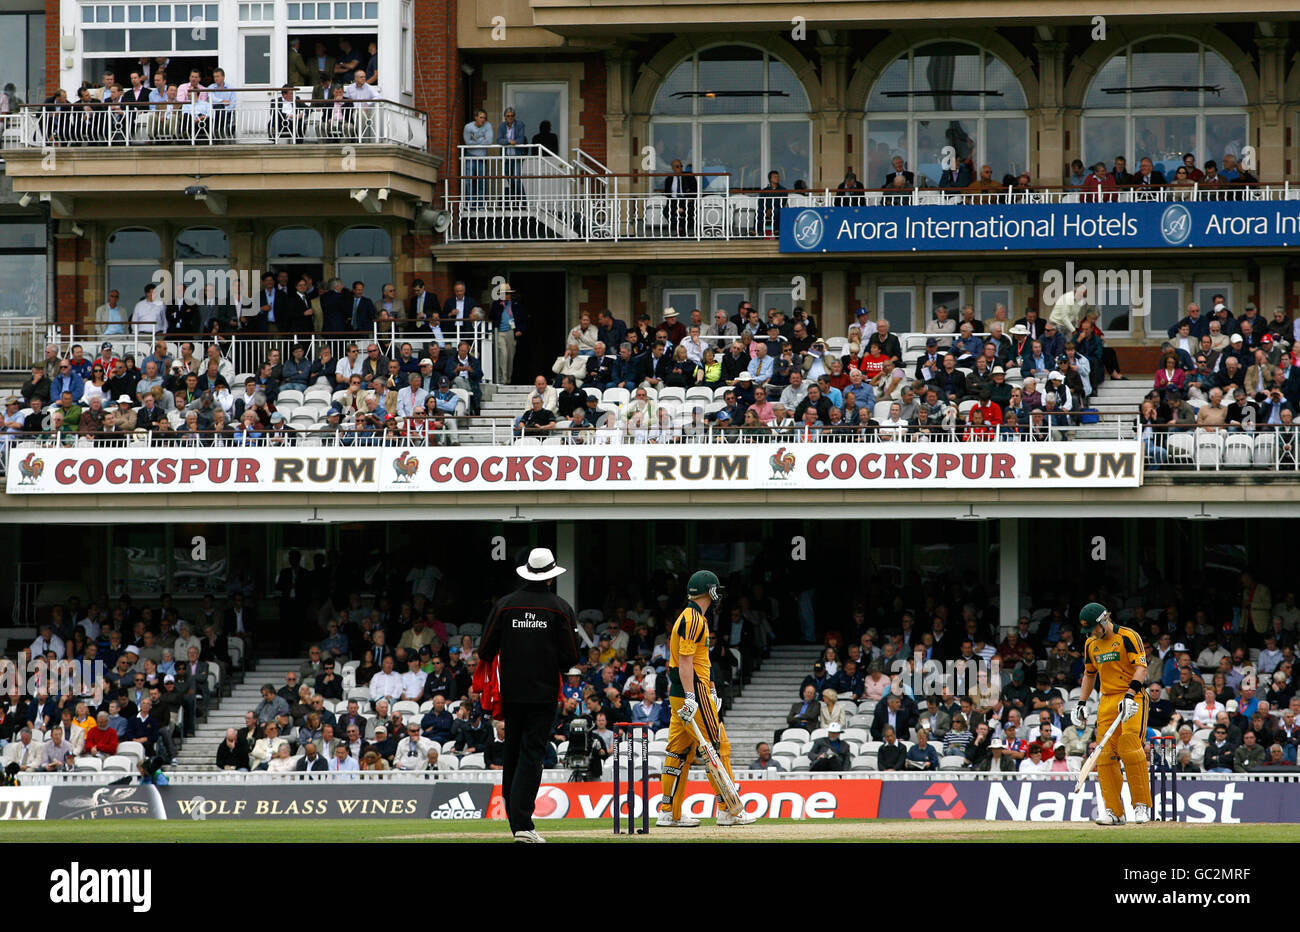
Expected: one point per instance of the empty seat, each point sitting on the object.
(1239, 450)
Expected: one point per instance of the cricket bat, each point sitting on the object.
(721, 779)
(1095, 756)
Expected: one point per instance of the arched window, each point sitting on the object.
(132, 255)
(1160, 98)
(295, 243)
(365, 254)
(946, 94)
(737, 110)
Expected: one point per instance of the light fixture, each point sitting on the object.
(25, 199)
(359, 195)
(730, 94)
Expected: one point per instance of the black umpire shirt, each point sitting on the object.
(532, 629)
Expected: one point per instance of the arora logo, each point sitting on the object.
(939, 801)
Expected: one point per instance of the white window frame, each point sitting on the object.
(742, 294)
(559, 88)
(980, 291)
(243, 78)
(786, 295)
(954, 307)
(683, 313)
(1206, 308)
(911, 300)
(1161, 332)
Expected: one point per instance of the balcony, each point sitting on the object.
(310, 156)
(540, 198)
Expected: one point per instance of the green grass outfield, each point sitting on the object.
(589, 830)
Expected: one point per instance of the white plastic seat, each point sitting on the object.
(655, 217)
(672, 394)
(1265, 449)
(881, 410)
(1239, 450)
(131, 749)
(473, 762)
(795, 734)
(615, 396)
(1209, 448)
(699, 392)
(89, 763)
(407, 707)
(784, 746)
(744, 213)
(290, 396)
(593, 392)
(119, 762)
(473, 628)
(952, 762)
(819, 733)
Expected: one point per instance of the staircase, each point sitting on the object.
(502, 402)
(1121, 397)
(762, 707)
(200, 752)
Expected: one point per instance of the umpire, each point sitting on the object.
(531, 633)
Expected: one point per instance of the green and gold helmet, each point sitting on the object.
(704, 582)
(1091, 617)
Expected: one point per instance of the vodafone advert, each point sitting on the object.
(776, 799)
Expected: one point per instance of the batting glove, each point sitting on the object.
(1080, 715)
(687, 712)
(1128, 708)
(717, 703)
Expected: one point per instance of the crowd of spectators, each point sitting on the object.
(1222, 373)
(910, 692)
(116, 677)
(779, 378)
(196, 398)
(346, 704)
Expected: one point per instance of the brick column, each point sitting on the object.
(439, 88)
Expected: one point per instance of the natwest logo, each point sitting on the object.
(938, 802)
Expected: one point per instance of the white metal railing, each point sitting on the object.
(256, 117)
(22, 342)
(1262, 448)
(247, 350)
(585, 206)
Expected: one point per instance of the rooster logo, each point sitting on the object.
(31, 469)
(782, 464)
(405, 466)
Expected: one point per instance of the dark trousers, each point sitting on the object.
(528, 728)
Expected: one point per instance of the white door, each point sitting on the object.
(534, 103)
(255, 59)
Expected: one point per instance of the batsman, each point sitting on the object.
(688, 677)
(1115, 661)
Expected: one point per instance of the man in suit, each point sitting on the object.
(803, 714)
(510, 322)
(361, 312)
(138, 92)
(1120, 172)
(311, 759)
(267, 299)
(458, 307)
(681, 189)
(511, 137)
(299, 74)
(909, 179)
(892, 714)
(290, 585)
(298, 315)
(351, 718)
(321, 65)
(1147, 177)
(420, 304)
(335, 308)
(959, 177)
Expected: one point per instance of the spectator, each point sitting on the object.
(831, 753)
(1249, 755)
(922, 755)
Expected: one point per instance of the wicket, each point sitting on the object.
(624, 735)
(1164, 778)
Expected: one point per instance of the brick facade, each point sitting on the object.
(596, 288)
(439, 90)
(592, 117)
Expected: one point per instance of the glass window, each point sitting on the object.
(151, 40)
(725, 299)
(955, 95)
(1164, 308)
(778, 298)
(134, 255)
(295, 243)
(1205, 296)
(986, 299)
(682, 299)
(133, 244)
(202, 243)
(896, 307)
(22, 270)
(1160, 98)
(367, 242)
(950, 297)
(742, 112)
